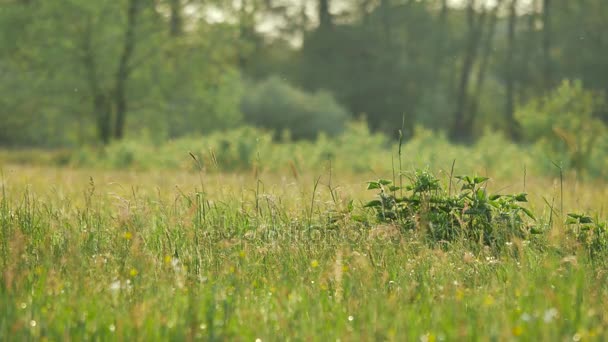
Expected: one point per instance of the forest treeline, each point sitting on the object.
(76, 72)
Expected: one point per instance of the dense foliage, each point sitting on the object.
(357, 149)
(77, 72)
(276, 105)
(566, 122)
(470, 214)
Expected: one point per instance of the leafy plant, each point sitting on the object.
(565, 122)
(423, 205)
(590, 233)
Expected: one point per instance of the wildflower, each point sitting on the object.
(115, 286)
(127, 236)
(314, 263)
(428, 337)
(518, 331)
(488, 301)
(133, 272)
(550, 315)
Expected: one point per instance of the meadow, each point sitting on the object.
(180, 243)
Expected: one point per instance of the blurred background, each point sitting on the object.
(82, 73)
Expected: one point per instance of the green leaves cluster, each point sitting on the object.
(590, 233)
(472, 213)
(566, 123)
(67, 71)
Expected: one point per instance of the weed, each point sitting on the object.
(472, 213)
(590, 233)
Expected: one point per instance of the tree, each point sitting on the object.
(125, 67)
(546, 44)
(486, 51)
(511, 123)
(79, 37)
(175, 18)
(325, 18)
(462, 127)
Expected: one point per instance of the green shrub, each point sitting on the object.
(564, 124)
(276, 105)
(355, 150)
(443, 215)
(590, 233)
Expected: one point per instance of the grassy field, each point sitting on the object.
(180, 255)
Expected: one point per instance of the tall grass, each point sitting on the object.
(163, 255)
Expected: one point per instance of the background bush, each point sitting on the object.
(357, 149)
(565, 125)
(275, 104)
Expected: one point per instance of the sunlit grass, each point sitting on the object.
(90, 254)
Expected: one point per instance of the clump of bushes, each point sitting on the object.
(470, 213)
(565, 124)
(275, 104)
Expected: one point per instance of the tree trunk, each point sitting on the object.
(462, 128)
(487, 47)
(512, 129)
(103, 112)
(325, 20)
(386, 21)
(101, 109)
(528, 66)
(175, 19)
(122, 75)
(441, 29)
(547, 62)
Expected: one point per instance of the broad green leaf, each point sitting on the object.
(521, 197)
(586, 219)
(374, 203)
(528, 213)
(373, 185)
(534, 230)
(479, 179)
(571, 220)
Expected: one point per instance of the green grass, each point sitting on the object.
(170, 255)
